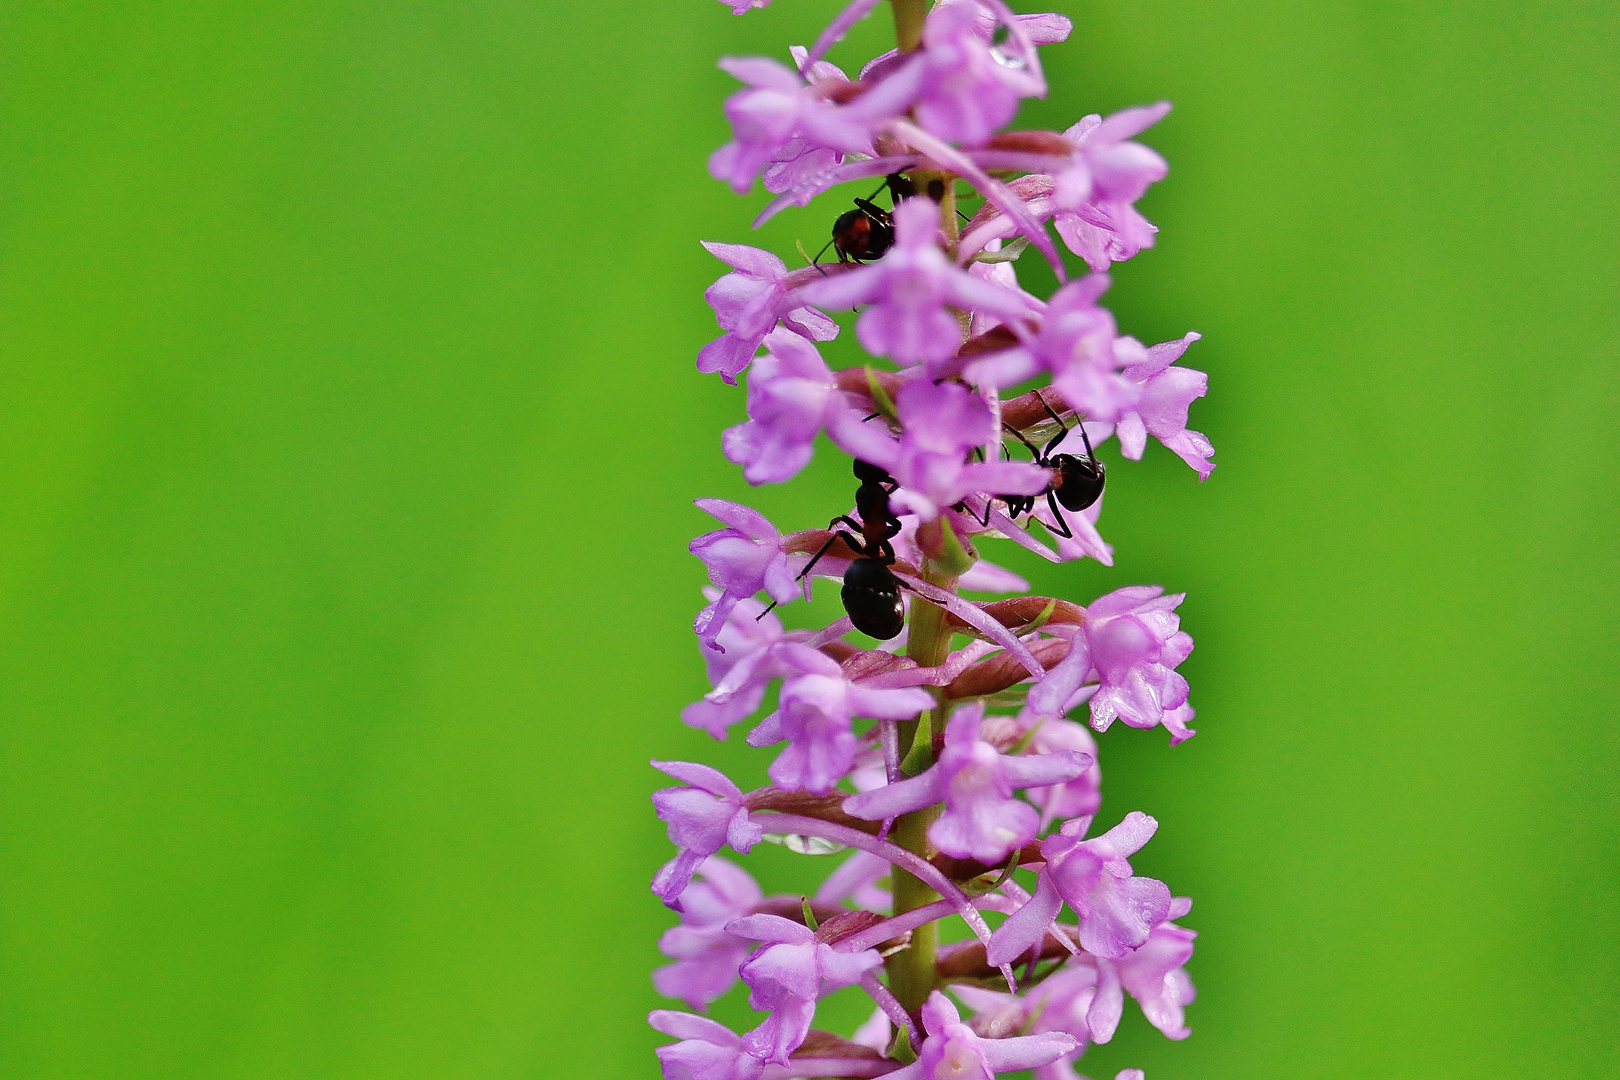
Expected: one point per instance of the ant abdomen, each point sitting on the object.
(1077, 481)
(871, 596)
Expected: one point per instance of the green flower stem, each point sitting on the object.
(908, 23)
(911, 971)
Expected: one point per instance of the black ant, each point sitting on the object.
(1077, 481)
(871, 592)
(866, 232)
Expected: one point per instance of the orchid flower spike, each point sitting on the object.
(954, 763)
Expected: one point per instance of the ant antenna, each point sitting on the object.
(1090, 453)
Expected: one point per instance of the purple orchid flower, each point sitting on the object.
(1079, 797)
(967, 88)
(706, 954)
(703, 817)
(1085, 997)
(787, 975)
(776, 107)
(814, 715)
(742, 559)
(1132, 641)
(982, 819)
(1105, 233)
(792, 397)
(1161, 411)
(1154, 975)
(910, 291)
(856, 879)
(1107, 168)
(941, 423)
(1075, 343)
(707, 1050)
(743, 7)
(953, 1051)
(1064, 1002)
(1117, 911)
(1047, 28)
(801, 158)
(740, 670)
(749, 302)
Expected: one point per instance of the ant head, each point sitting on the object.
(867, 473)
(1077, 481)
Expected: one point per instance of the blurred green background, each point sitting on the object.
(348, 433)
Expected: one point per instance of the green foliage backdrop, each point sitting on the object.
(348, 433)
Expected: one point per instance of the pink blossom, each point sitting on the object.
(1064, 1002)
(739, 670)
(703, 817)
(787, 975)
(1132, 642)
(707, 1050)
(748, 303)
(801, 159)
(910, 291)
(954, 1051)
(707, 955)
(1075, 343)
(814, 716)
(982, 819)
(792, 397)
(941, 423)
(1104, 233)
(776, 107)
(742, 559)
(856, 879)
(1154, 975)
(1108, 169)
(1117, 911)
(1077, 797)
(1161, 411)
(968, 89)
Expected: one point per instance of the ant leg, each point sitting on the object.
(985, 522)
(1019, 435)
(1059, 421)
(1062, 528)
(854, 544)
(816, 262)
